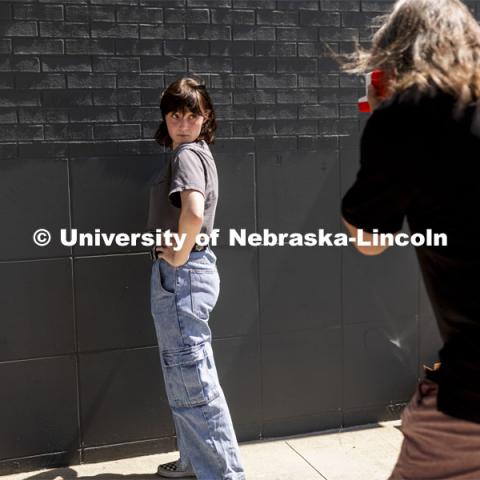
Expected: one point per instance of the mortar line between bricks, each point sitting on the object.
(306, 461)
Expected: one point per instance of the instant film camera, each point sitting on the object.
(377, 79)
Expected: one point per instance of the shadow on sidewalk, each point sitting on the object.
(70, 474)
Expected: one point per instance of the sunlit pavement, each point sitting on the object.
(363, 453)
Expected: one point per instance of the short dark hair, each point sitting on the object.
(186, 93)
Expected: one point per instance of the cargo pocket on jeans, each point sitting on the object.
(190, 376)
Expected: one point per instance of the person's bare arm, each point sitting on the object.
(189, 223)
(367, 237)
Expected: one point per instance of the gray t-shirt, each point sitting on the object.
(190, 167)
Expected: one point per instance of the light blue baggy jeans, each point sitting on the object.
(181, 301)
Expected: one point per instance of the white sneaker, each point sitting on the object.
(175, 470)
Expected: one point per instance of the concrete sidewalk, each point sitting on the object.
(363, 453)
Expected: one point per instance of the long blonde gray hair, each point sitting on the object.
(426, 43)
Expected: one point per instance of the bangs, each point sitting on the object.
(185, 99)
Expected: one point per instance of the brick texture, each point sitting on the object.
(271, 57)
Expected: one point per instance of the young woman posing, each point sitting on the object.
(185, 287)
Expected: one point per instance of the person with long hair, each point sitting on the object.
(185, 287)
(420, 160)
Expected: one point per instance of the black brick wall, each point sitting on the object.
(305, 339)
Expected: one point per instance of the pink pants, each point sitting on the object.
(436, 446)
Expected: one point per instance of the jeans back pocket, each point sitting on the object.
(204, 291)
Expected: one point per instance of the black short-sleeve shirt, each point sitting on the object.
(420, 160)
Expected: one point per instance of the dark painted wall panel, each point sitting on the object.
(301, 373)
(297, 189)
(236, 313)
(38, 413)
(299, 288)
(37, 309)
(123, 398)
(379, 369)
(236, 205)
(33, 195)
(367, 296)
(111, 194)
(113, 302)
(238, 366)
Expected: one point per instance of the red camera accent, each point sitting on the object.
(377, 79)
